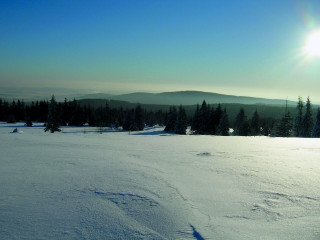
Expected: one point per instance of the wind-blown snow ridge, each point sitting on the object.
(122, 199)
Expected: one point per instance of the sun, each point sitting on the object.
(312, 47)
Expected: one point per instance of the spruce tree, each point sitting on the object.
(19, 111)
(267, 125)
(255, 126)
(160, 117)
(52, 123)
(316, 129)
(284, 127)
(150, 118)
(27, 116)
(138, 119)
(181, 122)
(307, 121)
(107, 117)
(204, 114)
(215, 119)
(211, 122)
(195, 126)
(77, 117)
(171, 120)
(241, 124)
(223, 127)
(65, 113)
(28, 121)
(1, 110)
(128, 120)
(297, 128)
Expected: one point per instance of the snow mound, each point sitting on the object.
(204, 154)
(16, 131)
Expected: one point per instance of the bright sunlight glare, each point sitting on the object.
(313, 44)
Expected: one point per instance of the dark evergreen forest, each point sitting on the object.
(203, 119)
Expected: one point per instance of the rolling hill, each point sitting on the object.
(185, 98)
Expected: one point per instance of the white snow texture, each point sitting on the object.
(79, 184)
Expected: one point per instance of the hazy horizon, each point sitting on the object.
(246, 48)
(31, 94)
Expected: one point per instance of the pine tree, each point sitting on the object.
(316, 129)
(181, 122)
(297, 128)
(223, 127)
(52, 123)
(307, 122)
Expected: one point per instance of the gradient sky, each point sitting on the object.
(252, 48)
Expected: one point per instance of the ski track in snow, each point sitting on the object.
(153, 185)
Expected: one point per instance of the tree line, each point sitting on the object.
(205, 120)
(215, 121)
(71, 113)
(303, 125)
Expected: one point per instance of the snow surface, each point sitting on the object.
(79, 184)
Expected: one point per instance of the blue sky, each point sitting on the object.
(243, 47)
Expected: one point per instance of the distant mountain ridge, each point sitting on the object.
(185, 98)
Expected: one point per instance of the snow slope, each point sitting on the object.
(79, 184)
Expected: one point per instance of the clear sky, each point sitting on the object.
(252, 48)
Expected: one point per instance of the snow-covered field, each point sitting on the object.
(79, 184)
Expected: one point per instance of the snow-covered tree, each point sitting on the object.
(52, 123)
(307, 121)
(316, 129)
